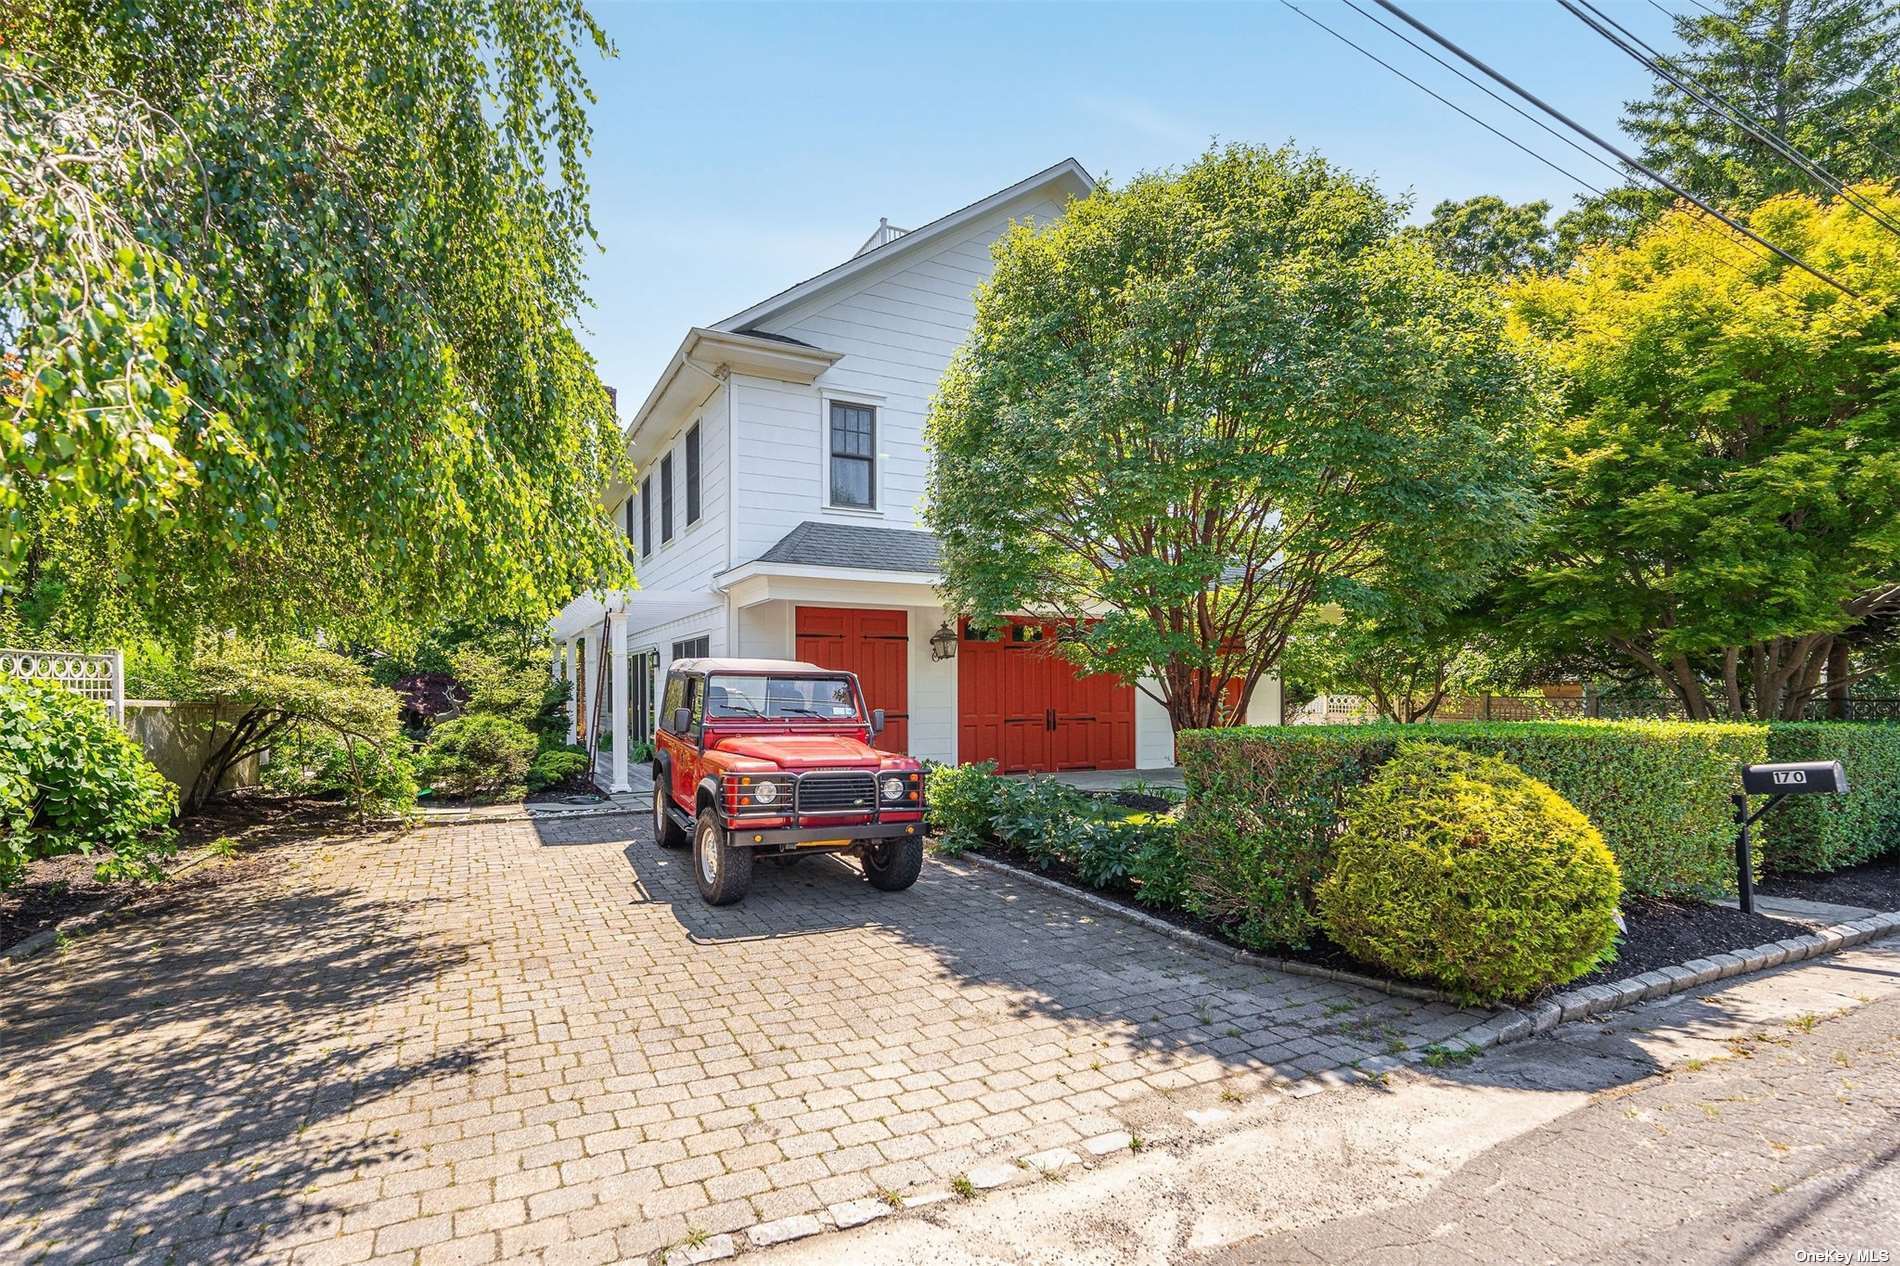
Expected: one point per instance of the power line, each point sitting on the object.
(1512, 141)
(1508, 104)
(1509, 140)
(1715, 105)
(1833, 126)
(1628, 160)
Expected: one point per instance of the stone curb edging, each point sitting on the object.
(988, 1176)
(458, 817)
(1519, 1023)
(92, 920)
(1204, 943)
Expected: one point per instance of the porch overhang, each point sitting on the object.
(644, 607)
(758, 581)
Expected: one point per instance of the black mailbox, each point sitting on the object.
(1795, 778)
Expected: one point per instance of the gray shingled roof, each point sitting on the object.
(855, 545)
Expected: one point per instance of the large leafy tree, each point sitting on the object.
(286, 297)
(1201, 400)
(1725, 486)
(1486, 236)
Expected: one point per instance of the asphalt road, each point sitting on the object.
(1787, 1146)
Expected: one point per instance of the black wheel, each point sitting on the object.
(722, 870)
(893, 865)
(665, 830)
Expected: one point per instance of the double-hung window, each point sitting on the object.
(853, 448)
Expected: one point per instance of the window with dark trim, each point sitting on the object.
(853, 447)
(692, 474)
(666, 498)
(693, 648)
(646, 516)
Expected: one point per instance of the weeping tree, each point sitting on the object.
(1198, 401)
(1724, 489)
(287, 294)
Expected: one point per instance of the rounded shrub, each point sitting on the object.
(1466, 871)
(480, 754)
(72, 781)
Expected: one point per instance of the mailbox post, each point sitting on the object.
(1777, 782)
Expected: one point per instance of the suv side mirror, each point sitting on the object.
(682, 720)
(877, 722)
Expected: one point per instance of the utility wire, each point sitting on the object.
(1833, 126)
(1629, 160)
(1502, 100)
(1730, 264)
(1510, 140)
(1717, 107)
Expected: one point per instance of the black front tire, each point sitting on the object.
(722, 869)
(666, 831)
(893, 865)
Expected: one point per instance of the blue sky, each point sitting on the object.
(740, 148)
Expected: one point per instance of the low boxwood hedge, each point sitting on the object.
(1265, 804)
(1822, 833)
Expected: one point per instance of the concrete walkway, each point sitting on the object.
(1116, 779)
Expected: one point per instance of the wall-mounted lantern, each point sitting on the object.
(943, 643)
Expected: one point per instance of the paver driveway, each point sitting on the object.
(533, 1042)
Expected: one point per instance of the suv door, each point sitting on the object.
(684, 765)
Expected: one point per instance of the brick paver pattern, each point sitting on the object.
(532, 1042)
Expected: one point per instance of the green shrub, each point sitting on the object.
(1822, 833)
(377, 780)
(556, 767)
(72, 781)
(481, 755)
(1462, 870)
(1266, 804)
(959, 802)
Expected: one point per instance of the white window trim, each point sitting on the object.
(870, 400)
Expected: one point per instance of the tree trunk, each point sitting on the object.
(1838, 667)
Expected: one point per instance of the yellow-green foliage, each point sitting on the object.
(1466, 871)
(1265, 803)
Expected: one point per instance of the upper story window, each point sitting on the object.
(626, 514)
(853, 451)
(692, 475)
(666, 498)
(646, 516)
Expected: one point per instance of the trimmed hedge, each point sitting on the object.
(1461, 869)
(1266, 804)
(1822, 833)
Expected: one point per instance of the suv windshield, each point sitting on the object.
(792, 698)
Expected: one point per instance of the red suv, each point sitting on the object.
(773, 756)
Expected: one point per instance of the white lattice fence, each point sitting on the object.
(100, 677)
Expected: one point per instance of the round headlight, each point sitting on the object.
(765, 791)
(893, 788)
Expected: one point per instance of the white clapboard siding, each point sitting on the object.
(897, 328)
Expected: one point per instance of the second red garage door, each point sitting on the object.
(1024, 707)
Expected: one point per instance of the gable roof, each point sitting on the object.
(1067, 172)
(817, 544)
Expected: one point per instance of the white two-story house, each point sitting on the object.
(781, 465)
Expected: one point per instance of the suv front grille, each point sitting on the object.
(848, 791)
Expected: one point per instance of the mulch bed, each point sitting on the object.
(1660, 933)
(1669, 933)
(1873, 885)
(260, 826)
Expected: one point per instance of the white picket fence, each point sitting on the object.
(100, 677)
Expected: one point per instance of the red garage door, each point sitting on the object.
(873, 644)
(1024, 707)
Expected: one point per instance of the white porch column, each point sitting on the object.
(617, 627)
(572, 664)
